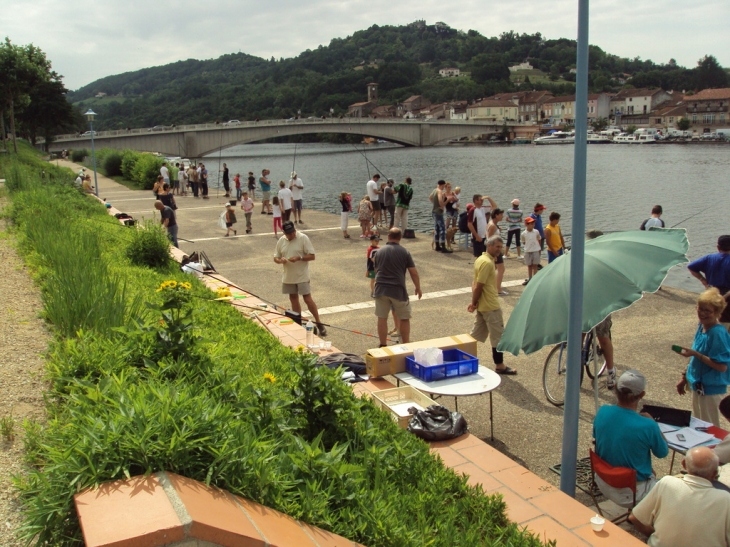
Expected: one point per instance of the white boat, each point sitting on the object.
(559, 137)
(595, 138)
(644, 139)
(624, 138)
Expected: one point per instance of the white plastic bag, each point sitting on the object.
(222, 220)
(428, 356)
(193, 268)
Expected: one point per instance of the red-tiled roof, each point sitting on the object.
(494, 103)
(561, 99)
(643, 92)
(709, 94)
(412, 98)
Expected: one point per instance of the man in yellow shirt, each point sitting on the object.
(554, 238)
(484, 300)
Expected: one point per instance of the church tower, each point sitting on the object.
(373, 92)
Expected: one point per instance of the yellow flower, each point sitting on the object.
(223, 292)
(300, 348)
(270, 377)
(186, 285)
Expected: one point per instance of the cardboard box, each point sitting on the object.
(392, 359)
(397, 401)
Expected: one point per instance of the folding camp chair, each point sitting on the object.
(617, 477)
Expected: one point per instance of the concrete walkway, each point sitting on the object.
(528, 429)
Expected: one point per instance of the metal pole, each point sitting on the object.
(93, 158)
(575, 311)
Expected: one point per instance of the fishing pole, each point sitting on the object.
(294, 163)
(689, 217)
(279, 307)
(371, 163)
(362, 138)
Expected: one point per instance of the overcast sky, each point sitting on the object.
(90, 39)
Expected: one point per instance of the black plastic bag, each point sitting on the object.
(436, 423)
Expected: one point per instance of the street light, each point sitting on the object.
(90, 115)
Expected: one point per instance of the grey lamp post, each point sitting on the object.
(90, 115)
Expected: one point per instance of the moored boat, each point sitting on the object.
(558, 137)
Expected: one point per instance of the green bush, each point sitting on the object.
(146, 170)
(129, 160)
(79, 155)
(149, 246)
(195, 388)
(112, 164)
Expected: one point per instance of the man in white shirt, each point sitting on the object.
(285, 201)
(165, 173)
(687, 511)
(655, 220)
(477, 223)
(296, 186)
(373, 188)
(294, 251)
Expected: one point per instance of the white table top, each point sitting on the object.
(483, 381)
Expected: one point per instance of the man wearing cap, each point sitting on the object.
(297, 188)
(488, 322)
(687, 511)
(716, 270)
(294, 251)
(537, 215)
(625, 438)
(391, 263)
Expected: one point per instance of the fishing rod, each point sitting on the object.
(371, 163)
(294, 163)
(279, 307)
(689, 217)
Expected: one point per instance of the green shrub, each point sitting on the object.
(149, 246)
(112, 164)
(129, 160)
(146, 170)
(79, 155)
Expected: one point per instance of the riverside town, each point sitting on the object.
(299, 283)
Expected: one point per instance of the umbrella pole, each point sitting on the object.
(594, 343)
(577, 262)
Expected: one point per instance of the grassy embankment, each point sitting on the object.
(148, 372)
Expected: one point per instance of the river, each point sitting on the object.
(624, 182)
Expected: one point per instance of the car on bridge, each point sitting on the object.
(158, 128)
(232, 122)
(88, 134)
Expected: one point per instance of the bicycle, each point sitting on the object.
(554, 371)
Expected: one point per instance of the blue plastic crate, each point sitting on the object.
(456, 363)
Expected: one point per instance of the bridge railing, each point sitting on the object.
(300, 121)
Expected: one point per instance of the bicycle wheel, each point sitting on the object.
(588, 357)
(553, 374)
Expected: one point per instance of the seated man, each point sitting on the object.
(686, 511)
(625, 438)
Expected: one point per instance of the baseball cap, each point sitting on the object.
(723, 243)
(288, 227)
(633, 381)
(515, 201)
(374, 237)
(529, 220)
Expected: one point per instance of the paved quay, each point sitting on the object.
(528, 429)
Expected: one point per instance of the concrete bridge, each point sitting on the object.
(195, 141)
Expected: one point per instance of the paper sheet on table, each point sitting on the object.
(666, 428)
(692, 437)
(696, 423)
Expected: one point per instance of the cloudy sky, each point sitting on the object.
(90, 39)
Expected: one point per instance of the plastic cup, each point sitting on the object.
(328, 346)
(321, 346)
(597, 523)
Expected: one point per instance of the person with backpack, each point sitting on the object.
(654, 220)
(404, 193)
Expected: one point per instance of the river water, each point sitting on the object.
(623, 182)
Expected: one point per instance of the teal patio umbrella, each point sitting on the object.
(619, 268)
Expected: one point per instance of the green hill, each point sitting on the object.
(403, 60)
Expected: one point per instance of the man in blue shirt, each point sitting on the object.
(716, 267)
(625, 438)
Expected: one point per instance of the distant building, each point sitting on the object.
(708, 109)
(457, 111)
(412, 105)
(496, 110)
(637, 101)
(599, 106)
(100, 95)
(364, 109)
(521, 66)
(386, 111)
(449, 72)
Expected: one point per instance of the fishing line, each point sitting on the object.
(294, 163)
(362, 138)
(220, 155)
(689, 217)
(279, 307)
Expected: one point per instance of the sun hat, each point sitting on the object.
(632, 380)
(515, 202)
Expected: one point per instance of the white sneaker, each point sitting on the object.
(611, 379)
